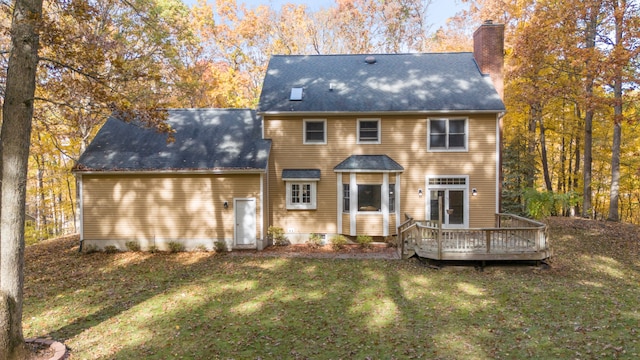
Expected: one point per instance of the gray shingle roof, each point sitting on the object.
(300, 174)
(205, 140)
(369, 163)
(394, 83)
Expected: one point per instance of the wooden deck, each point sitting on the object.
(513, 238)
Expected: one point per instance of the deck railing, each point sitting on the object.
(514, 237)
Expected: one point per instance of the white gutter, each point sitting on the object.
(165, 172)
(376, 113)
(367, 171)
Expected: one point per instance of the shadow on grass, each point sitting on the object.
(201, 306)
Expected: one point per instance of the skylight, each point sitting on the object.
(296, 94)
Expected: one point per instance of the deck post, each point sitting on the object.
(402, 235)
(517, 239)
(440, 214)
(488, 237)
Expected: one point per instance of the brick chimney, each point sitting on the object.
(488, 50)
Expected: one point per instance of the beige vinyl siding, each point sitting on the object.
(392, 224)
(369, 179)
(404, 139)
(181, 207)
(264, 205)
(346, 225)
(369, 224)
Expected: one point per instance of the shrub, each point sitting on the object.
(392, 241)
(90, 249)
(338, 242)
(277, 237)
(175, 247)
(541, 204)
(33, 235)
(133, 246)
(365, 241)
(110, 249)
(220, 246)
(153, 249)
(201, 248)
(315, 241)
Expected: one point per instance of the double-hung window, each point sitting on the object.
(346, 198)
(368, 131)
(315, 132)
(447, 135)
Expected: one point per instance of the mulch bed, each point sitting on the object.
(350, 251)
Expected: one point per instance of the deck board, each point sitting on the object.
(517, 239)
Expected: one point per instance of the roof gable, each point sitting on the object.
(205, 140)
(378, 83)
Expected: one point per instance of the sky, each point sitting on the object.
(439, 10)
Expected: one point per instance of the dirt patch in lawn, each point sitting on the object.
(45, 349)
(350, 251)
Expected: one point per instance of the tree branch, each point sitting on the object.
(74, 69)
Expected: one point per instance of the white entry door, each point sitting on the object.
(245, 220)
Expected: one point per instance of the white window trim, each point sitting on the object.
(304, 132)
(301, 206)
(464, 187)
(466, 135)
(369, 141)
(354, 213)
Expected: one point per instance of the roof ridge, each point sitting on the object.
(210, 109)
(374, 54)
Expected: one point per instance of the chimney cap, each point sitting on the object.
(488, 22)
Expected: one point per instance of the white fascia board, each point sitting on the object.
(375, 113)
(166, 172)
(368, 171)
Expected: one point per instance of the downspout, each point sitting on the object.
(499, 164)
(80, 207)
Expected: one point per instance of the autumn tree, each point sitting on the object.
(17, 112)
(568, 69)
(622, 70)
(90, 59)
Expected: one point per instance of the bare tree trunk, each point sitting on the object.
(41, 211)
(590, 41)
(614, 213)
(576, 167)
(73, 207)
(543, 155)
(15, 137)
(562, 178)
(531, 146)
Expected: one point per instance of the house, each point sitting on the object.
(207, 185)
(339, 144)
(360, 140)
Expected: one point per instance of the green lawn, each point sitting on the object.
(203, 306)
